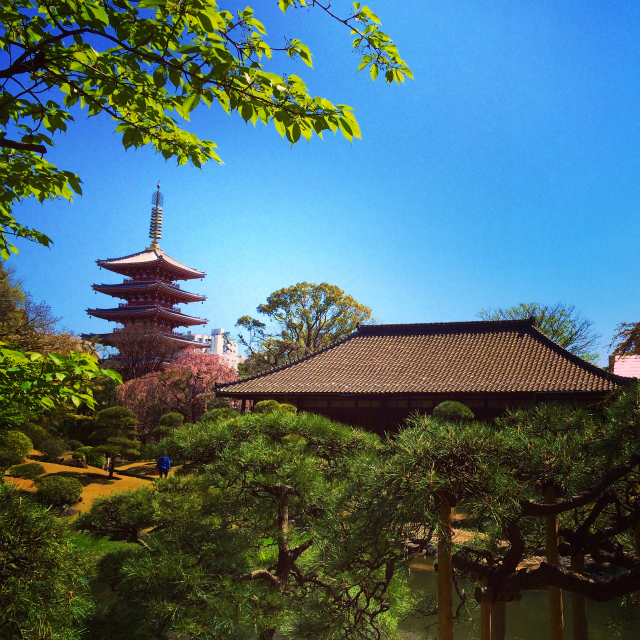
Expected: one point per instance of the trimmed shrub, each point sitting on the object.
(452, 410)
(269, 406)
(162, 432)
(290, 408)
(9, 459)
(171, 420)
(30, 471)
(15, 441)
(35, 433)
(223, 413)
(73, 445)
(56, 491)
(53, 449)
(94, 458)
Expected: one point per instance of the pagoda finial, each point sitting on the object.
(155, 230)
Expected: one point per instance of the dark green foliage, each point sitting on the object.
(115, 434)
(247, 545)
(173, 420)
(44, 594)
(56, 490)
(93, 458)
(35, 433)
(53, 449)
(452, 410)
(221, 413)
(31, 470)
(9, 459)
(74, 445)
(162, 432)
(15, 441)
(269, 406)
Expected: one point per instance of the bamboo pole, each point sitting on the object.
(556, 620)
(498, 620)
(485, 616)
(579, 604)
(445, 577)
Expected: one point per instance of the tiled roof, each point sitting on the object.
(464, 357)
(178, 293)
(148, 257)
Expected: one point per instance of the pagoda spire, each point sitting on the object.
(155, 229)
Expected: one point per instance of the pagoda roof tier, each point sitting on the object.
(126, 312)
(105, 338)
(119, 290)
(151, 258)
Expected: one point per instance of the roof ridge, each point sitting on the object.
(594, 368)
(430, 327)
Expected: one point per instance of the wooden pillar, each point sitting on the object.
(243, 406)
(579, 603)
(556, 620)
(485, 616)
(445, 577)
(498, 620)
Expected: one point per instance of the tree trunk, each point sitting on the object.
(636, 533)
(445, 594)
(112, 466)
(556, 620)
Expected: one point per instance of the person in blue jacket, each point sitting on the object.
(163, 465)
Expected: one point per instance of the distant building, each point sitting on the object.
(628, 366)
(218, 344)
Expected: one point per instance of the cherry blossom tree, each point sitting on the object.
(184, 385)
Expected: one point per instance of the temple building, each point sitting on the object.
(380, 374)
(149, 291)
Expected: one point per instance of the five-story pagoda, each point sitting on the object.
(150, 292)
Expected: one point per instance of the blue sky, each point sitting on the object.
(506, 172)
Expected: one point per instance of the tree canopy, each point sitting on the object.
(147, 64)
(560, 322)
(303, 318)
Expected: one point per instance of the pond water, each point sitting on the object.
(526, 620)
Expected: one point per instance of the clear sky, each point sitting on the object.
(506, 172)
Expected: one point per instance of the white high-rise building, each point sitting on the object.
(219, 344)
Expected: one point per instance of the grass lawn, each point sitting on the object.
(95, 482)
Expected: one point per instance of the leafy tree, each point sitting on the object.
(168, 423)
(244, 543)
(43, 590)
(305, 317)
(141, 62)
(31, 383)
(562, 323)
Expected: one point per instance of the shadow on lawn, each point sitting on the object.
(85, 479)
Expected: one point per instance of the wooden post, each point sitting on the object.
(445, 578)
(243, 406)
(485, 616)
(579, 603)
(556, 620)
(498, 620)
